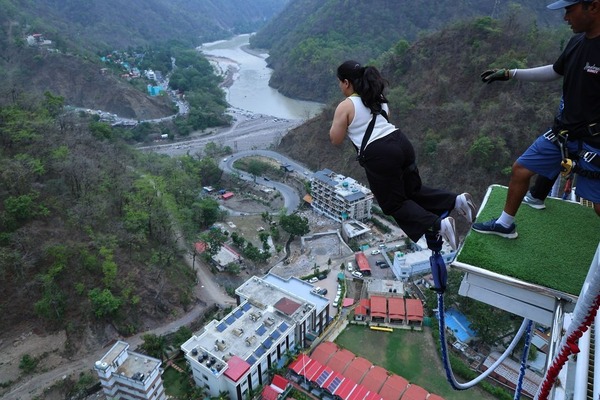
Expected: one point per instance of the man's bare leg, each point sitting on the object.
(517, 188)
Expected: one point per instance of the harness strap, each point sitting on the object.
(593, 158)
(590, 157)
(581, 131)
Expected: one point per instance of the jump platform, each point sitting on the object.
(538, 275)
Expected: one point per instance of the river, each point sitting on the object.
(250, 90)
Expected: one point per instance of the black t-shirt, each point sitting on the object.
(580, 66)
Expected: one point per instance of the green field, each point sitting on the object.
(410, 354)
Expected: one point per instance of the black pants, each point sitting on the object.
(541, 187)
(414, 207)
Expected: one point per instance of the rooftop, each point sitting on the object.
(346, 187)
(136, 365)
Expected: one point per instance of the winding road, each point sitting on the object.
(207, 291)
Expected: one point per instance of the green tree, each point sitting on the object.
(214, 238)
(104, 303)
(181, 336)
(294, 224)
(28, 364)
(206, 212)
(53, 104)
(155, 345)
(256, 168)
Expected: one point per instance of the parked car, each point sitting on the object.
(314, 279)
(349, 266)
(322, 291)
(382, 264)
(375, 252)
(321, 276)
(357, 274)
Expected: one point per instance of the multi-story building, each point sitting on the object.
(274, 317)
(340, 198)
(130, 376)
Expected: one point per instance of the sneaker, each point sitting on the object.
(533, 202)
(466, 207)
(448, 231)
(492, 228)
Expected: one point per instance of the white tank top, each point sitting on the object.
(360, 122)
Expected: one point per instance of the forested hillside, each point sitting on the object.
(467, 134)
(120, 24)
(89, 227)
(140, 34)
(310, 37)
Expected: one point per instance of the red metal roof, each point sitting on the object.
(347, 302)
(301, 362)
(362, 262)
(414, 310)
(280, 382)
(236, 368)
(365, 303)
(360, 310)
(357, 369)
(378, 306)
(330, 380)
(268, 393)
(373, 396)
(312, 369)
(415, 392)
(340, 360)
(374, 378)
(317, 373)
(396, 307)
(393, 388)
(287, 306)
(358, 393)
(200, 247)
(324, 351)
(345, 388)
(227, 195)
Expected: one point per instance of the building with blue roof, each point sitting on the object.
(275, 316)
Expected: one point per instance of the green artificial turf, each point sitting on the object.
(554, 249)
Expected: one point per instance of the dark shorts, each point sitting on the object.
(543, 157)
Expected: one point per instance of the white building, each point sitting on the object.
(340, 198)
(132, 376)
(274, 316)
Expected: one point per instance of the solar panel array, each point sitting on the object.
(323, 377)
(261, 330)
(221, 327)
(335, 384)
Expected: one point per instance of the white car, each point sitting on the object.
(375, 252)
(350, 267)
(314, 279)
(357, 274)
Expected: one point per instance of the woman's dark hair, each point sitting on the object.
(366, 81)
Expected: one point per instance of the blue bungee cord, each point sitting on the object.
(523, 361)
(440, 276)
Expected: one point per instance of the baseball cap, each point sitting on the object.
(557, 5)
